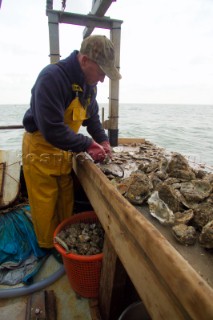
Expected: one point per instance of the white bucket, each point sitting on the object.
(136, 311)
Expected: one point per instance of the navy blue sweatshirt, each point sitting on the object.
(51, 95)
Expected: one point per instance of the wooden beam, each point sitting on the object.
(112, 284)
(169, 287)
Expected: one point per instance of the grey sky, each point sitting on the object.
(166, 49)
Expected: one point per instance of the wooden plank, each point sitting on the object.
(2, 175)
(130, 140)
(112, 284)
(50, 305)
(94, 309)
(36, 307)
(41, 305)
(11, 181)
(169, 287)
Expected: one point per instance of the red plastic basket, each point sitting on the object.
(83, 272)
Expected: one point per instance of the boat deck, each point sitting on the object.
(69, 304)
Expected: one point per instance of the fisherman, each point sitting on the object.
(64, 98)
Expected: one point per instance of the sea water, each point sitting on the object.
(186, 129)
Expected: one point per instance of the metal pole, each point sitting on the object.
(115, 35)
(11, 127)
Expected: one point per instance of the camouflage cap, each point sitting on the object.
(101, 50)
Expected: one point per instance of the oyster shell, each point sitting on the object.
(178, 167)
(148, 166)
(195, 190)
(206, 235)
(139, 188)
(160, 210)
(209, 178)
(184, 234)
(170, 196)
(184, 217)
(161, 175)
(156, 181)
(123, 185)
(181, 194)
(112, 169)
(203, 213)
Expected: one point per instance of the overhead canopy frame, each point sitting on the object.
(95, 19)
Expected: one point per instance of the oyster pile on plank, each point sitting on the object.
(184, 193)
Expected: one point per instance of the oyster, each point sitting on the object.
(139, 188)
(163, 164)
(184, 234)
(184, 217)
(209, 178)
(203, 213)
(210, 198)
(156, 181)
(206, 236)
(200, 174)
(123, 185)
(170, 196)
(178, 167)
(148, 166)
(160, 210)
(161, 175)
(112, 169)
(195, 190)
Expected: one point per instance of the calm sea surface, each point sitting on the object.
(186, 129)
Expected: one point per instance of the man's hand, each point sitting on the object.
(96, 151)
(107, 148)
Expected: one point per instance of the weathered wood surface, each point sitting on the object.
(112, 284)
(169, 287)
(10, 176)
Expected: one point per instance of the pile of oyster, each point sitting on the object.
(82, 238)
(177, 194)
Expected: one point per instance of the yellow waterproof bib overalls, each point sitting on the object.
(47, 174)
